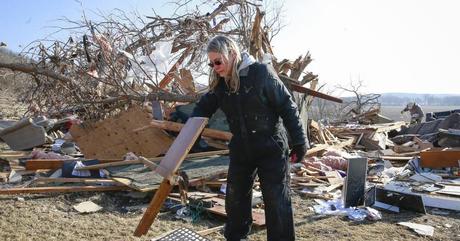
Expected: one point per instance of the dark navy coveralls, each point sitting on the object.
(256, 114)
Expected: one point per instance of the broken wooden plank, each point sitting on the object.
(258, 218)
(298, 88)
(168, 166)
(322, 147)
(154, 207)
(333, 187)
(30, 190)
(181, 146)
(334, 177)
(35, 164)
(176, 127)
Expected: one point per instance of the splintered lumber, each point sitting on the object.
(318, 128)
(334, 177)
(174, 126)
(439, 158)
(30, 190)
(168, 166)
(319, 148)
(155, 159)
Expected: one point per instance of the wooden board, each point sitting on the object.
(439, 158)
(154, 207)
(334, 177)
(176, 127)
(181, 146)
(258, 218)
(114, 137)
(168, 166)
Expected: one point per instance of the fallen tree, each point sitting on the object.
(118, 60)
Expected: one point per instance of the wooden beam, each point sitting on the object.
(168, 166)
(29, 190)
(176, 127)
(36, 164)
(154, 207)
(298, 88)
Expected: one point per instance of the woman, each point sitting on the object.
(254, 101)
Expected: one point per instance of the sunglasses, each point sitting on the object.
(215, 63)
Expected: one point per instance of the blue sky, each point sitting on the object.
(23, 21)
(391, 45)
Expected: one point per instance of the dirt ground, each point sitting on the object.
(52, 217)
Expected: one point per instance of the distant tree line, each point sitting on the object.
(422, 99)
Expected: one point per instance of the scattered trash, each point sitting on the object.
(419, 228)
(87, 207)
(336, 208)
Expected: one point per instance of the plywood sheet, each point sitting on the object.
(114, 137)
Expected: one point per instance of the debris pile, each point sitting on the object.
(112, 114)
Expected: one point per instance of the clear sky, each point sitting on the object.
(391, 45)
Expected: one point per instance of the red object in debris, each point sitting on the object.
(293, 157)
